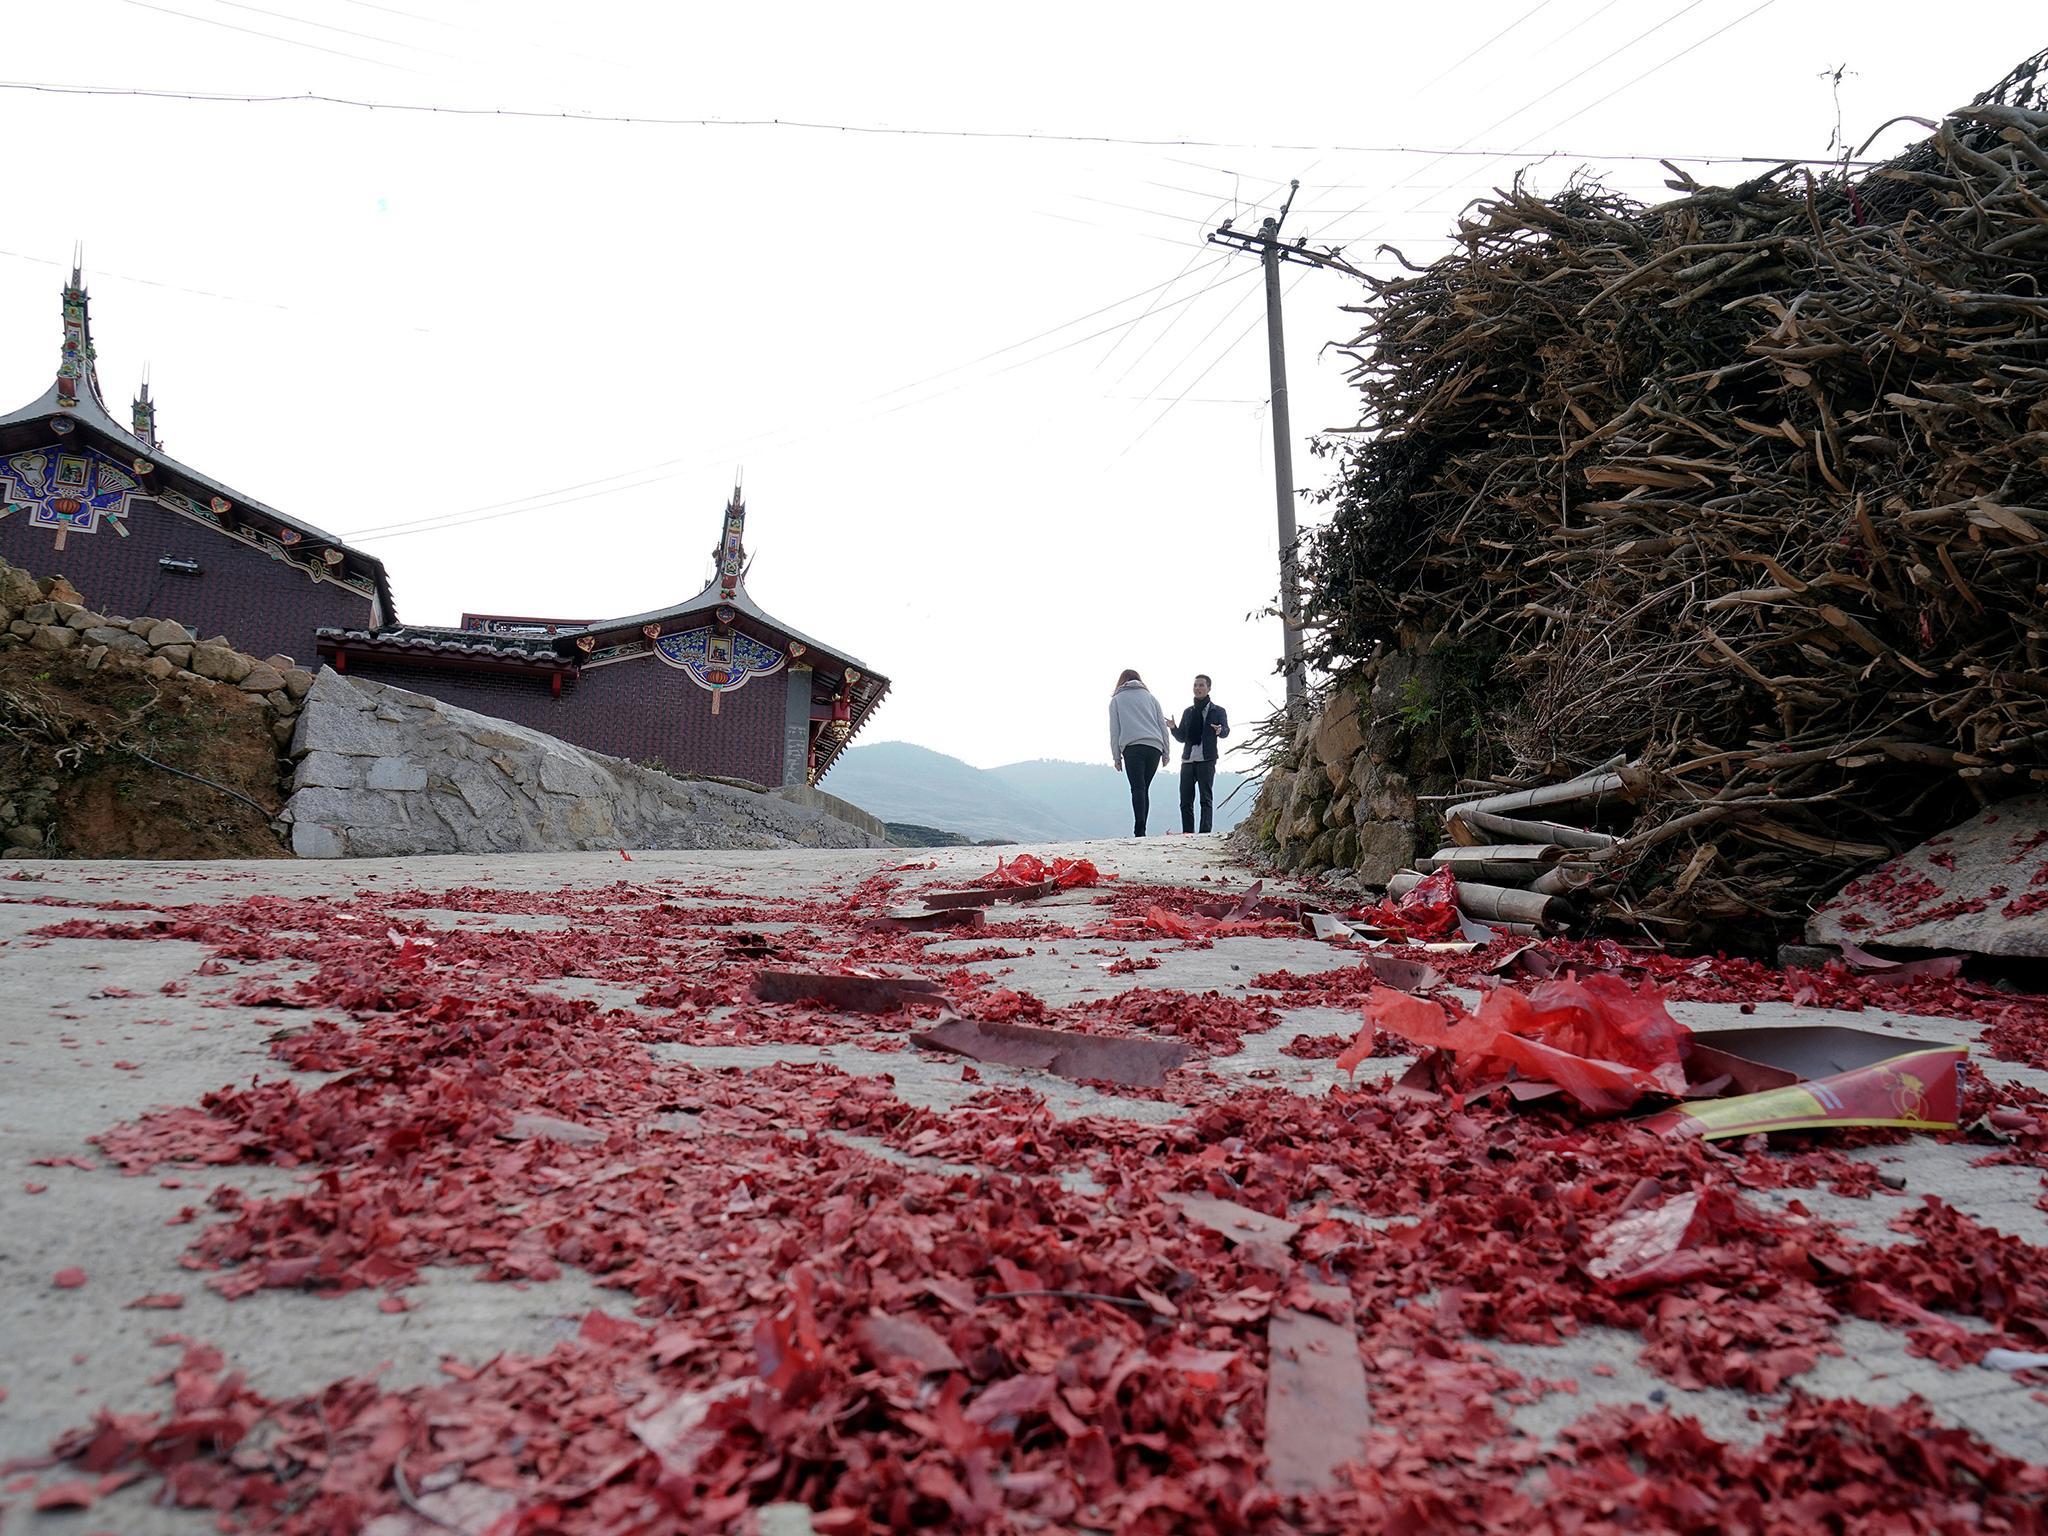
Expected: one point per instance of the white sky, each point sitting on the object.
(375, 318)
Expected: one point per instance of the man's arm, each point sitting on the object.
(1220, 719)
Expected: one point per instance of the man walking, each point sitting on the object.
(1203, 725)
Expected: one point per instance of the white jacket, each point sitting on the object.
(1136, 720)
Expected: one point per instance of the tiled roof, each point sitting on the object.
(452, 644)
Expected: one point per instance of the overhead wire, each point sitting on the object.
(1452, 69)
(321, 98)
(324, 26)
(1510, 117)
(771, 439)
(516, 504)
(290, 42)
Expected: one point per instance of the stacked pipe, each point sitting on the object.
(1518, 872)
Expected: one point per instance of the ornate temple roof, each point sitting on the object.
(74, 398)
(565, 647)
(726, 589)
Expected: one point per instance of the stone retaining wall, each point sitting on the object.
(51, 615)
(818, 800)
(383, 772)
(1345, 799)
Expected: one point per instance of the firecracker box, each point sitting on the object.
(1815, 1076)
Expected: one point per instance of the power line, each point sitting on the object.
(290, 42)
(1545, 96)
(324, 26)
(507, 508)
(1132, 329)
(449, 520)
(1690, 7)
(1468, 58)
(1115, 229)
(317, 98)
(432, 21)
(1629, 84)
(1177, 399)
(1690, 47)
(1165, 331)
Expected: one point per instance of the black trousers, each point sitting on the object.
(1140, 763)
(1191, 776)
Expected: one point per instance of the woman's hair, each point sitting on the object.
(1128, 675)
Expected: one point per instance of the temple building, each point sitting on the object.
(712, 685)
(141, 534)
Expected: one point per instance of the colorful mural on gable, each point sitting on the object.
(67, 492)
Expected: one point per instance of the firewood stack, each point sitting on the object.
(1519, 869)
(1751, 487)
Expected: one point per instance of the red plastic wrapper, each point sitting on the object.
(1430, 911)
(1661, 1244)
(1029, 869)
(1601, 1041)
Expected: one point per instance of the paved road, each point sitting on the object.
(95, 1031)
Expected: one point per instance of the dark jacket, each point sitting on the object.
(1193, 730)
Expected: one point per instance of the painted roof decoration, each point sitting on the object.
(721, 638)
(144, 417)
(74, 408)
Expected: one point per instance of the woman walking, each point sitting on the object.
(1138, 740)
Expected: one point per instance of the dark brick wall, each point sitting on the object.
(260, 603)
(634, 709)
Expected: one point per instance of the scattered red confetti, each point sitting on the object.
(79, 1493)
(897, 1346)
(68, 1279)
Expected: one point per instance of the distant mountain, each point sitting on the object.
(1096, 798)
(899, 782)
(1036, 802)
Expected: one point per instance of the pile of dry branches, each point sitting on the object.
(1751, 486)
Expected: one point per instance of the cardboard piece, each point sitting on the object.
(1128, 1061)
(988, 895)
(856, 994)
(1817, 1076)
(1317, 1412)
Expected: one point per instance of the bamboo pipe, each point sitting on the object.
(1503, 863)
(1591, 786)
(1465, 826)
(1498, 902)
(1563, 879)
(1486, 902)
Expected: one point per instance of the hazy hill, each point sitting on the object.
(899, 782)
(1034, 802)
(1096, 798)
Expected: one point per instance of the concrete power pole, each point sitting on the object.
(1271, 254)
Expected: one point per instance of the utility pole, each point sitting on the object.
(1271, 254)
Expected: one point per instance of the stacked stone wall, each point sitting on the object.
(51, 615)
(1349, 795)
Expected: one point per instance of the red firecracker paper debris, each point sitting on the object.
(990, 1316)
(1429, 911)
(1658, 1245)
(1601, 1041)
(1029, 869)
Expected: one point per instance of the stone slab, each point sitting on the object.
(1981, 887)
